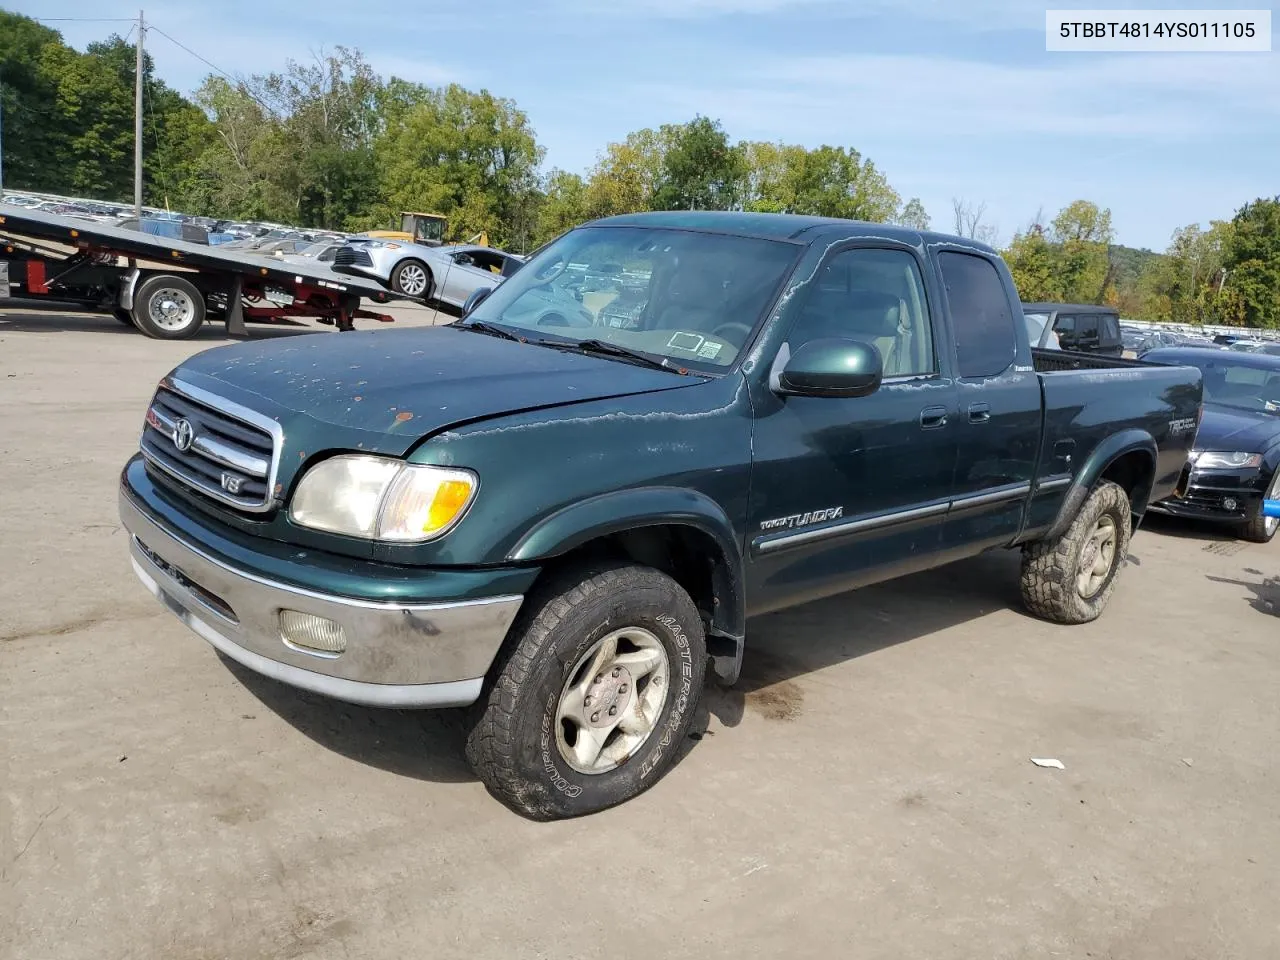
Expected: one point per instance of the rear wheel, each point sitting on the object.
(592, 696)
(1070, 578)
(412, 278)
(1258, 528)
(168, 308)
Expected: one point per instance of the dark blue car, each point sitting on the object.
(1235, 464)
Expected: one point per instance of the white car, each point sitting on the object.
(448, 274)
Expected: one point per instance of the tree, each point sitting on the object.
(913, 215)
(469, 155)
(826, 181)
(1032, 261)
(1083, 231)
(699, 169)
(563, 205)
(1251, 288)
(967, 221)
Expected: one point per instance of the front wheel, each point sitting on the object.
(412, 278)
(1069, 578)
(592, 695)
(1259, 528)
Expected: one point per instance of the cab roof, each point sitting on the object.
(793, 227)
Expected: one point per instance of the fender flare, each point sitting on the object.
(619, 511)
(1095, 465)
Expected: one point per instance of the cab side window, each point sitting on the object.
(876, 296)
(981, 318)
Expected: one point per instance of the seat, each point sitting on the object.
(694, 301)
(867, 315)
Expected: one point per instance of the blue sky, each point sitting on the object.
(949, 99)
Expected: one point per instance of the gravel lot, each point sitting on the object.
(865, 792)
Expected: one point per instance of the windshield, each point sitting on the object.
(1243, 386)
(693, 298)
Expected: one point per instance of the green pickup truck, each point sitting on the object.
(562, 514)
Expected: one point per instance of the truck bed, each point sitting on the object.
(1055, 361)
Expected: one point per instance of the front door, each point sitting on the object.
(846, 491)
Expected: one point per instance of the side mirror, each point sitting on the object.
(475, 299)
(830, 368)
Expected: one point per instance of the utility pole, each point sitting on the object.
(137, 126)
(1, 139)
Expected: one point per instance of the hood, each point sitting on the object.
(385, 390)
(1228, 428)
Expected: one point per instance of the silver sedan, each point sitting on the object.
(448, 274)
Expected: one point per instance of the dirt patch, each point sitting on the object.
(778, 701)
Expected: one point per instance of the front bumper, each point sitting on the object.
(1229, 496)
(397, 654)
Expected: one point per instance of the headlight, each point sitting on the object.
(382, 499)
(1238, 460)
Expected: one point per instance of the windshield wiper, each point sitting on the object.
(481, 327)
(605, 348)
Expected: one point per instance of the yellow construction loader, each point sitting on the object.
(427, 229)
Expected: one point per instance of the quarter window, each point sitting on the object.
(980, 316)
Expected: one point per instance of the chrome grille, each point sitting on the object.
(216, 447)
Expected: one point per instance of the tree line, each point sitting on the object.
(331, 144)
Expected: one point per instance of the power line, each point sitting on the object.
(217, 69)
(207, 63)
(85, 19)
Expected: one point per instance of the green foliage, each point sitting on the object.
(331, 144)
(1251, 259)
(1033, 263)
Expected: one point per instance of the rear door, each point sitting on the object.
(1000, 406)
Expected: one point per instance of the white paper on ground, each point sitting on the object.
(1042, 762)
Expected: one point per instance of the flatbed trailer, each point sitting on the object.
(167, 288)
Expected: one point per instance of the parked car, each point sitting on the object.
(563, 522)
(1040, 331)
(448, 274)
(1236, 461)
(1083, 327)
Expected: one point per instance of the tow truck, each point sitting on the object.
(166, 288)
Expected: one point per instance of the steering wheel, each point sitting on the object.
(552, 320)
(732, 326)
(551, 271)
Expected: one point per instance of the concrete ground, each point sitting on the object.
(865, 792)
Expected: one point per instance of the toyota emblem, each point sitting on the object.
(184, 434)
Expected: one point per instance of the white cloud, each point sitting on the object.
(1158, 98)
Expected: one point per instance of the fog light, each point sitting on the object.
(312, 634)
(1230, 503)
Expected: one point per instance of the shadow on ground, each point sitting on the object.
(428, 745)
(1170, 526)
(424, 744)
(1266, 592)
(106, 324)
(786, 645)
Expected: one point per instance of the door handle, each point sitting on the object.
(979, 412)
(933, 417)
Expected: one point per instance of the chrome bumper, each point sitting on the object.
(397, 655)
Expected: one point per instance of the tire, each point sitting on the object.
(1054, 585)
(412, 278)
(1260, 529)
(168, 307)
(534, 732)
(124, 316)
